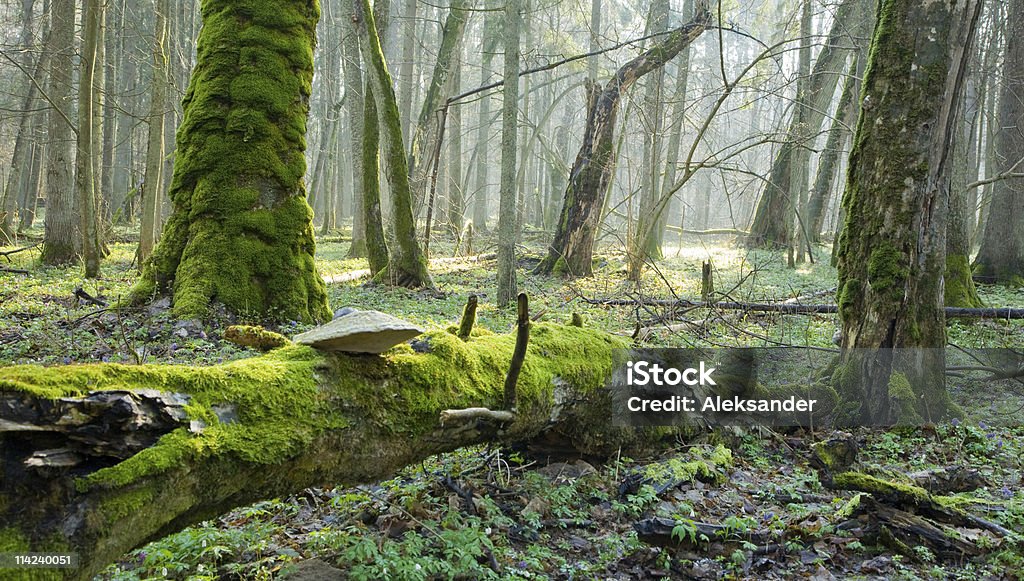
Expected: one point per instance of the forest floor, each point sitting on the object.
(499, 513)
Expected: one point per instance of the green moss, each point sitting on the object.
(255, 337)
(834, 454)
(902, 394)
(279, 407)
(887, 271)
(126, 504)
(880, 487)
(959, 286)
(13, 541)
(848, 508)
(705, 468)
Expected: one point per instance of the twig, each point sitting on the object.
(8, 253)
(477, 413)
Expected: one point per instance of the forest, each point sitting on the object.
(618, 289)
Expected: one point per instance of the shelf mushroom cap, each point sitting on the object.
(360, 332)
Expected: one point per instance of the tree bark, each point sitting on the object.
(427, 131)
(179, 444)
(21, 162)
(892, 251)
(240, 233)
(59, 236)
(508, 224)
(1001, 256)
(153, 181)
(354, 104)
(828, 163)
(407, 266)
(572, 249)
(488, 45)
(959, 285)
(651, 165)
(772, 224)
(86, 152)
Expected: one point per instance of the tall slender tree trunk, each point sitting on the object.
(650, 167)
(676, 118)
(355, 100)
(488, 46)
(772, 224)
(799, 168)
(86, 153)
(456, 198)
(153, 181)
(572, 249)
(958, 284)
(892, 252)
(1001, 256)
(406, 71)
(407, 266)
(507, 222)
(427, 131)
(828, 163)
(21, 163)
(59, 237)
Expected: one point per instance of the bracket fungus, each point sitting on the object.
(360, 332)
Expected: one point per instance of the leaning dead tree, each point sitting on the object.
(99, 459)
(572, 249)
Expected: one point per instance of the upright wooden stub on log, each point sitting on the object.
(519, 353)
(468, 318)
(707, 283)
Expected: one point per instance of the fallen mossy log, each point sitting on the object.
(799, 309)
(270, 426)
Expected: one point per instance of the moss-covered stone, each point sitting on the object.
(705, 465)
(255, 337)
(240, 232)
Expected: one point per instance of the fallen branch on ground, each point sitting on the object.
(799, 309)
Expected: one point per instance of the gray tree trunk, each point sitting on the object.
(86, 153)
(59, 237)
(507, 222)
(1001, 256)
(152, 186)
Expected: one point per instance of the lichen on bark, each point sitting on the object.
(241, 231)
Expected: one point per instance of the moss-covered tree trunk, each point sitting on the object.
(892, 254)
(180, 444)
(572, 250)
(1001, 256)
(240, 233)
(407, 265)
(959, 285)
